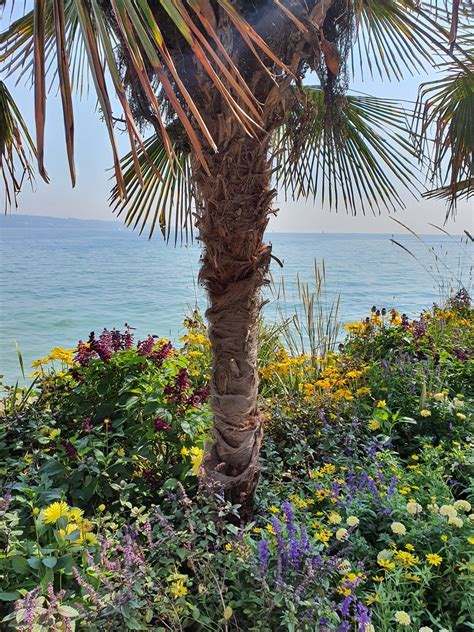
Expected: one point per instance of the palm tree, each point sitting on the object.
(220, 85)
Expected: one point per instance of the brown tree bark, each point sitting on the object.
(237, 201)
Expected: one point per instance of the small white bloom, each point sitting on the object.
(341, 534)
(398, 528)
(353, 521)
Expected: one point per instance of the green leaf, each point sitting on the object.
(49, 562)
(9, 596)
(19, 565)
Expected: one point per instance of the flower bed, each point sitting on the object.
(363, 517)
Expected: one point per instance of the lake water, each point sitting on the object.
(61, 279)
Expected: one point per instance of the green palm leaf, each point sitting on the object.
(358, 150)
(165, 195)
(446, 133)
(399, 36)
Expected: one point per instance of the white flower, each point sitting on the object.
(457, 403)
(439, 398)
(433, 508)
(462, 505)
(448, 510)
(341, 534)
(456, 522)
(414, 508)
(402, 617)
(353, 521)
(425, 628)
(384, 554)
(398, 528)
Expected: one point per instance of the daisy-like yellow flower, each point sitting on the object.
(381, 403)
(334, 518)
(386, 564)
(274, 509)
(228, 547)
(425, 412)
(433, 559)
(75, 514)
(398, 528)
(55, 511)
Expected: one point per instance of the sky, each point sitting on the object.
(89, 199)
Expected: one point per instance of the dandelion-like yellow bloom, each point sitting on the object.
(373, 425)
(334, 518)
(433, 559)
(55, 511)
(425, 412)
(381, 403)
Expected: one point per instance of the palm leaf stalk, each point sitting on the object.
(220, 85)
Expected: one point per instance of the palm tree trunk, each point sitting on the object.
(236, 207)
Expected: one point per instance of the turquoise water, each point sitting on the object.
(61, 279)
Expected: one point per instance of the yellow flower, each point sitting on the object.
(274, 509)
(184, 451)
(455, 521)
(387, 564)
(414, 508)
(228, 547)
(381, 403)
(433, 559)
(373, 424)
(334, 518)
(270, 529)
(470, 540)
(352, 521)
(90, 538)
(378, 578)
(398, 528)
(35, 511)
(101, 508)
(402, 617)
(323, 536)
(444, 538)
(461, 416)
(55, 511)
(75, 514)
(409, 547)
(197, 456)
(120, 452)
(439, 397)
(425, 412)
(405, 558)
(177, 587)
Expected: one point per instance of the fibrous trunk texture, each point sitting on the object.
(236, 206)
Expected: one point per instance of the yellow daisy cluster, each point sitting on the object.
(73, 523)
(196, 455)
(58, 354)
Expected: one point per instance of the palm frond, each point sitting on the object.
(445, 130)
(357, 149)
(399, 36)
(165, 195)
(16, 147)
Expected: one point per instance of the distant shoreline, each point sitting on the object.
(18, 217)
